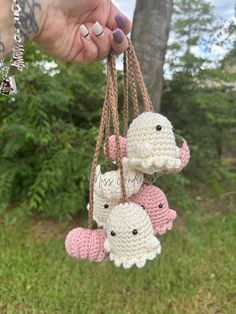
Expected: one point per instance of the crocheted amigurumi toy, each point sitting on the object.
(184, 151)
(101, 208)
(108, 185)
(151, 145)
(86, 244)
(130, 238)
(154, 201)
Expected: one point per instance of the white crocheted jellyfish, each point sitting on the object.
(108, 184)
(101, 209)
(151, 145)
(130, 238)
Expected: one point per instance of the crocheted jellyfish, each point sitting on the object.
(130, 238)
(101, 208)
(151, 145)
(155, 203)
(108, 185)
(112, 147)
(86, 244)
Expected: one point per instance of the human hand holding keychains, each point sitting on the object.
(81, 31)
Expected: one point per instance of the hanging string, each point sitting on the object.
(115, 117)
(133, 87)
(110, 105)
(107, 128)
(148, 106)
(132, 71)
(126, 95)
(95, 159)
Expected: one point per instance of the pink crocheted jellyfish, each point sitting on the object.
(112, 147)
(86, 244)
(154, 201)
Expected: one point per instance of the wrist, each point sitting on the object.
(6, 28)
(32, 18)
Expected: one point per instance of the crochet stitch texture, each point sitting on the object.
(112, 147)
(130, 238)
(86, 244)
(101, 209)
(155, 203)
(108, 185)
(151, 145)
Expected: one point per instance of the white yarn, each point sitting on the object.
(150, 150)
(101, 209)
(108, 185)
(126, 248)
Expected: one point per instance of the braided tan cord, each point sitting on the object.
(148, 106)
(95, 158)
(107, 127)
(115, 117)
(126, 95)
(132, 82)
(110, 104)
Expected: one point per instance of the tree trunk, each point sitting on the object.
(151, 25)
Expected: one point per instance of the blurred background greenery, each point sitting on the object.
(47, 135)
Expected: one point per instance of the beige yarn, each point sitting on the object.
(101, 208)
(130, 238)
(150, 150)
(108, 185)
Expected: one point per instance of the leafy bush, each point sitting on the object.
(47, 136)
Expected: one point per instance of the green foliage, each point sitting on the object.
(47, 136)
(204, 115)
(191, 21)
(201, 103)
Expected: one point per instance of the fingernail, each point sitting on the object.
(84, 31)
(118, 36)
(120, 21)
(98, 30)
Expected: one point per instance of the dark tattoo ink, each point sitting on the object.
(2, 46)
(28, 20)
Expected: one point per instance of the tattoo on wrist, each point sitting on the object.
(2, 46)
(29, 23)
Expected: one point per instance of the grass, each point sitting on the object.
(196, 272)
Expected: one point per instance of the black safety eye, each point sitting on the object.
(143, 206)
(113, 233)
(135, 231)
(158, 127)
(106, 206)
(160, 205)
(173, 129)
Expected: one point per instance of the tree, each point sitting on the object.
(200, 101)
(192, 20)
(150, 33)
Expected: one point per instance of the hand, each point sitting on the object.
(61, 35)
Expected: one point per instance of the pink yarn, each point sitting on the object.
(151, 197)
(185, 153)
(112, 147)
(86, 244)
(184, 156)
